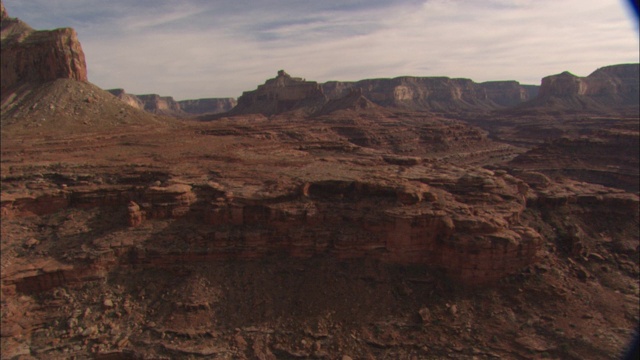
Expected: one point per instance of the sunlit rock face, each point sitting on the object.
(30, 56)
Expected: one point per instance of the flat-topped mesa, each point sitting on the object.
(281, 94)
(435, 93)
(30, 56)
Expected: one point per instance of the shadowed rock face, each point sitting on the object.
(30, 56)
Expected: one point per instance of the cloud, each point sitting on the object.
(199, 48)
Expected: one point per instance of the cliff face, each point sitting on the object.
(157, 104)
(509, 93)
(30, 56)
(280, 94)
(435, 93)
(615, 86)
(406, 224)
(166, 105)
(129, 99)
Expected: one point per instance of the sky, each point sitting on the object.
(192, 49)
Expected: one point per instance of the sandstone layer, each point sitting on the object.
(207, 105)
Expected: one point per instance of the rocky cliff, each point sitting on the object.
(608, 88)
(280, 94)
(30, 56)
(436, 94)
(166, 105)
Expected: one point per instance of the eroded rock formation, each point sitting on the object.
(466, 223)
(280, 94)
(166, 105)
(614, 87)
(30, 56)
(435, 93)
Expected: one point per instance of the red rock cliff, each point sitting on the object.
(30, 56)
(609, 87)
(280, 94)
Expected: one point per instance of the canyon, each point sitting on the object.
(379, 219)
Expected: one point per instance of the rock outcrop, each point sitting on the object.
(30, 56)
(281, 94)
(415, 223)
(614, 87)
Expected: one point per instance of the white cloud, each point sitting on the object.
(197, 48)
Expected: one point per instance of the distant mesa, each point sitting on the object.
(435, 94)
(166, 105)
(615, 87)
(281, 94)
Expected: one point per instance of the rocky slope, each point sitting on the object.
(45, 87)
(268, 233)
(56, 54)
(314, 227)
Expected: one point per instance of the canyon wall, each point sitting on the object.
(467, 223)
(166, 105)
(435, 93)
(608, 88)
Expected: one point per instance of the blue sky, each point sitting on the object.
(211, 48)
